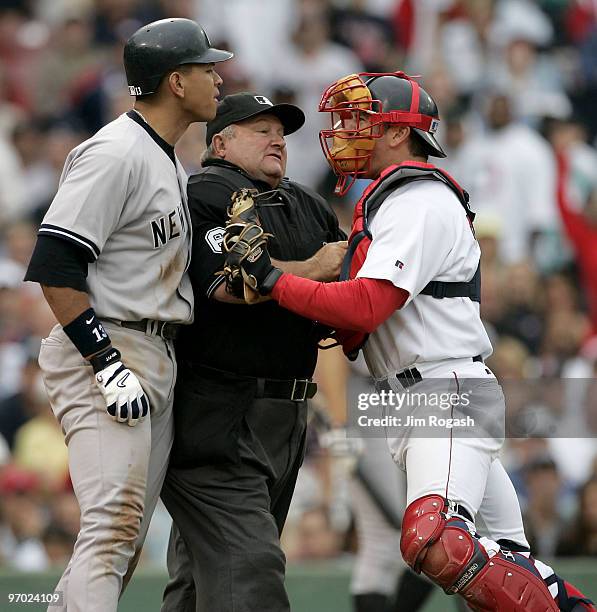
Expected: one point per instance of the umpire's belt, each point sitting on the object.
(164, 329)
(294, 389)
(411, 376)
(297, 389)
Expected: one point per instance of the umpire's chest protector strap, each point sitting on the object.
(230, 174)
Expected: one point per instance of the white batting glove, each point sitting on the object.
(126, 401)
(338, 444)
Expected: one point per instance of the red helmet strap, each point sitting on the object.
(416, 120)
(414, 103)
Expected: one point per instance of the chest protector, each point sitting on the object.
(360, 237)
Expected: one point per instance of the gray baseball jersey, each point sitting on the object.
(123, 200)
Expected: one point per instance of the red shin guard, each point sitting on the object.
(448, 553)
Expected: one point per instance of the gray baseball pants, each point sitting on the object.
(117, 471)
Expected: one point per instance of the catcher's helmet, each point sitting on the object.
(399, 94)
(161, 46)
(360, 104)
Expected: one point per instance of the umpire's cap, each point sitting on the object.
(397, 94)
(244, 105)
(163, 45)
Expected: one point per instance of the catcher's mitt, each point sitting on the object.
(244, 238)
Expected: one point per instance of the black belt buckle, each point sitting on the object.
(163, 329)
(167, 330)
(300, 387)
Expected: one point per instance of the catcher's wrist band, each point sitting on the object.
(273, 276)
(87, 333)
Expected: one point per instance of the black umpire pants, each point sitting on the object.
(232, 474)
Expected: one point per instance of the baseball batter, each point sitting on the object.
(380, 578)
(413, 284)
(112, 256)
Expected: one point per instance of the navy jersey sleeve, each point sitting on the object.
(58, 263)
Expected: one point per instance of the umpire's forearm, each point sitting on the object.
(304, 269)
(221, 295)
(322, 266)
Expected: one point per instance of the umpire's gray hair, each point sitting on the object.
(227, 133)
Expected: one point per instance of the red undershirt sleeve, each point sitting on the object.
(361, 304)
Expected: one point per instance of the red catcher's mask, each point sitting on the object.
(358, 120)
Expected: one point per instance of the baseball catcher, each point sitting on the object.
(411, 299)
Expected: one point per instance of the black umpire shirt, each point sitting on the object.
(263, 340)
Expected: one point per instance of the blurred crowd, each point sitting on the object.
(516, 84)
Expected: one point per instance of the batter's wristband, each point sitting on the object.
(87, 333)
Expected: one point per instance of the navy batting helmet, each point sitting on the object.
(163, 45)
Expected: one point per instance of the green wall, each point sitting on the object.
(314, 587)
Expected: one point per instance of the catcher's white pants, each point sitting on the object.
(466, 470)
(117, 471)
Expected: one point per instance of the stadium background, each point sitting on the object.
(516, 83)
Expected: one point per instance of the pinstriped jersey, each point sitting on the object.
(123, 201)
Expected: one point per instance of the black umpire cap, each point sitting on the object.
(240, 106)
(163, 45)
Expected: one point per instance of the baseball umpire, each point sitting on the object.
(413, 284)
(112, 256)
(245, 372)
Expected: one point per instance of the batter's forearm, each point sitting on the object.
(66, 303)
(332, 379)
(79, 321)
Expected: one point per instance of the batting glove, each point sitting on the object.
(338, 444)
(126, 401)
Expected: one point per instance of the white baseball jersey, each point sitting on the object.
(123, 200)
(421, 233)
